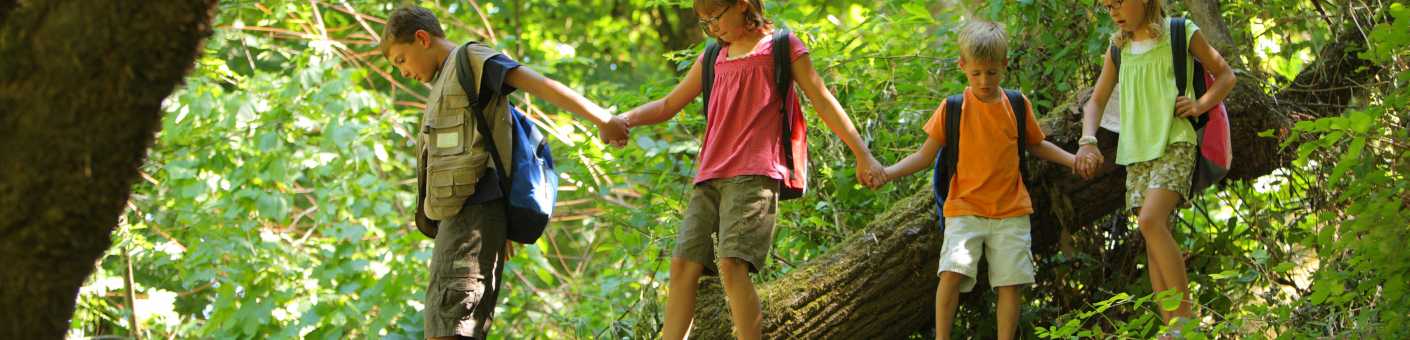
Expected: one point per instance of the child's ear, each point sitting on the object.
(423, 38)
(961, 61)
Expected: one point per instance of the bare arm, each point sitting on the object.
(1092, 111)
(1089, 157)
(557, 94)
(827, 106)
(1215, 64)
(869, 170)
(1051, 152)
(916, 161)
(663, 109)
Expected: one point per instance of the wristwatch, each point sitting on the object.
(1087, 140)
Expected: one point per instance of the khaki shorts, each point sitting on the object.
(1171, 171)
(729, 217)
(466, 263)
(1006, 241)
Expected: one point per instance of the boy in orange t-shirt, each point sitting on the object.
(987, 207)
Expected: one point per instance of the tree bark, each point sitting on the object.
(1206, 14)
(880, 284)
(81, 87)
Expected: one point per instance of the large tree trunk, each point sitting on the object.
(81, 87)
(880, 284)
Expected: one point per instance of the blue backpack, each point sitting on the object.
(533, 187)
(950, 154)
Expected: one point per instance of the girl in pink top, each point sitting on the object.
(742, 147)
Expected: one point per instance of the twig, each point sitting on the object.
(131, 297)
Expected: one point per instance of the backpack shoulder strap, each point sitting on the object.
(1020, 116)
(465, 75)
(1178, 51)
(783, 64)
(707, 75)
(1115, 56)
(950, 153)
(783, 86)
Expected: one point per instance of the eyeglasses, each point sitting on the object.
(715, 20)
(1115, 6)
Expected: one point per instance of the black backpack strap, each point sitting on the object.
(707, 76)
(465, 74)
(1115, 57)
(783, 86)
(1179, 48)
(950, 153)
(1020, 115)
(1177, 51)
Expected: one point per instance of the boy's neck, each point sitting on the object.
(992, 98)
(440, 47)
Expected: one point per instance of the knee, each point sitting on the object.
(950, 278)
(1008, 291)
(1151, 222)
(683, 268)
(733, 266)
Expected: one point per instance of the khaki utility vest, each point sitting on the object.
(451, 153)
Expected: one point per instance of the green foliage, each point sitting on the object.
(276, 201)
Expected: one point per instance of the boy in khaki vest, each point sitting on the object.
(459, 202)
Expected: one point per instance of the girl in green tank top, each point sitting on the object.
(1153, 122)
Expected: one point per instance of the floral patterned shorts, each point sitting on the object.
(1171, 171)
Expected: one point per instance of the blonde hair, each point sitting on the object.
(983, 41)
(1154, 20)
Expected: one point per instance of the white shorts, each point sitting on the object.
(1007, 242)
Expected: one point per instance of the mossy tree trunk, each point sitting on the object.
(81, 87)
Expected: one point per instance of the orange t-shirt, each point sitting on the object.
(986, 181)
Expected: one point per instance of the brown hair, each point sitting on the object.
(754, 15)
(403, 23)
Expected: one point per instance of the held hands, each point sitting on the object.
(614, 131)
(871, 173)
(1186, 107)
(1088, 160)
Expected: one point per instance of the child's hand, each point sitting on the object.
(614, 131)
(1088, 160)
(1186, 107)
(871, 173)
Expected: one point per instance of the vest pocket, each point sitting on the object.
(448, 130)
(448, 133)
(451, 182)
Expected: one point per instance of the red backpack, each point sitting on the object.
(795, 128)
(1216, 153)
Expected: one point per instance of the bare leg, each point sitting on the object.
(1008, 311)
(680, 299)
(1157, 281)
(947, 299)
(1160, 244)
(744, 307)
